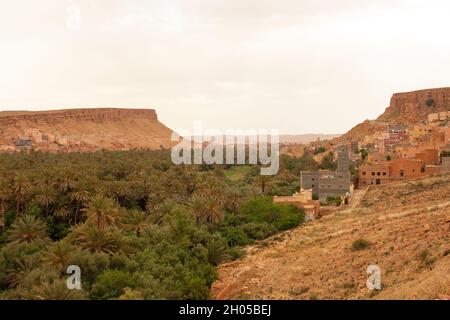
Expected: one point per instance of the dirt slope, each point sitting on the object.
(407, 225)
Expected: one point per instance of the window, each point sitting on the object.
(364, 173)
(384, 173)
(373, 173)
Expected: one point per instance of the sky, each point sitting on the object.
(300, 66)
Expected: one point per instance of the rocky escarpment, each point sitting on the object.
(411, 107)
(83, 130)
(407, 108)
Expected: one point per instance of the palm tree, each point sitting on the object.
(80, 196)
(22, 266)
(59, 254)
(217, 252)
(135, 221)
(207, 209)
(28, 229)
(21, 186)
(90, 238)
(57, 290)
(102, 211)
(5, 193)
(46, 197)
(66, 181)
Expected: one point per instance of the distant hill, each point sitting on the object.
(306, 138)
(83, 130)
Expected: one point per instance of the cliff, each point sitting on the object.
(407, 108)
(411, 107)
(83, 130)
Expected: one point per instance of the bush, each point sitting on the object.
(258, 231)
(360, 244)
(430, 102)
(336, 201)
(236, 253)
(263, 210)
(236, 237)
(111, 284)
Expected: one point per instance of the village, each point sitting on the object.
(398, 153)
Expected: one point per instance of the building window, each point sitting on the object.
(364, 173)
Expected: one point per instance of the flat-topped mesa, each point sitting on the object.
(96, 115)
(83, 130)
(412, 107)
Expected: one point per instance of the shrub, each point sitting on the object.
(430, 102)
(258, 231)
(236, 253)
(360, 244)
(336, 201)
(236, 237)
(111, 284)
(263, 210)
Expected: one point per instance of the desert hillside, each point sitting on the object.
(406, 226)
(407, 108)
(83, 130)
(414, 106)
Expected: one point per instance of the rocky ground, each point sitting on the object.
(406, 225)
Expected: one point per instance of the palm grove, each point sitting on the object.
(138, 226)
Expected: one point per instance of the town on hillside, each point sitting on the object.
(397, 153)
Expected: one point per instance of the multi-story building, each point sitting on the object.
(390, 171)
(343, 158)
(327, 183)
(376, 157)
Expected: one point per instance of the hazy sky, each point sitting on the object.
(300, 66)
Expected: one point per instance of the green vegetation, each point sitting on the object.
(328, 162)
(364, 154)
(236, 173)
(138, 226)
(430, 102)
(333, 201)
(360, 244)
(319, 150)
(426, 260)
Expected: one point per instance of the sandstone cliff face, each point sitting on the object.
(406, 108)
(83, 130)
(411, 107)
